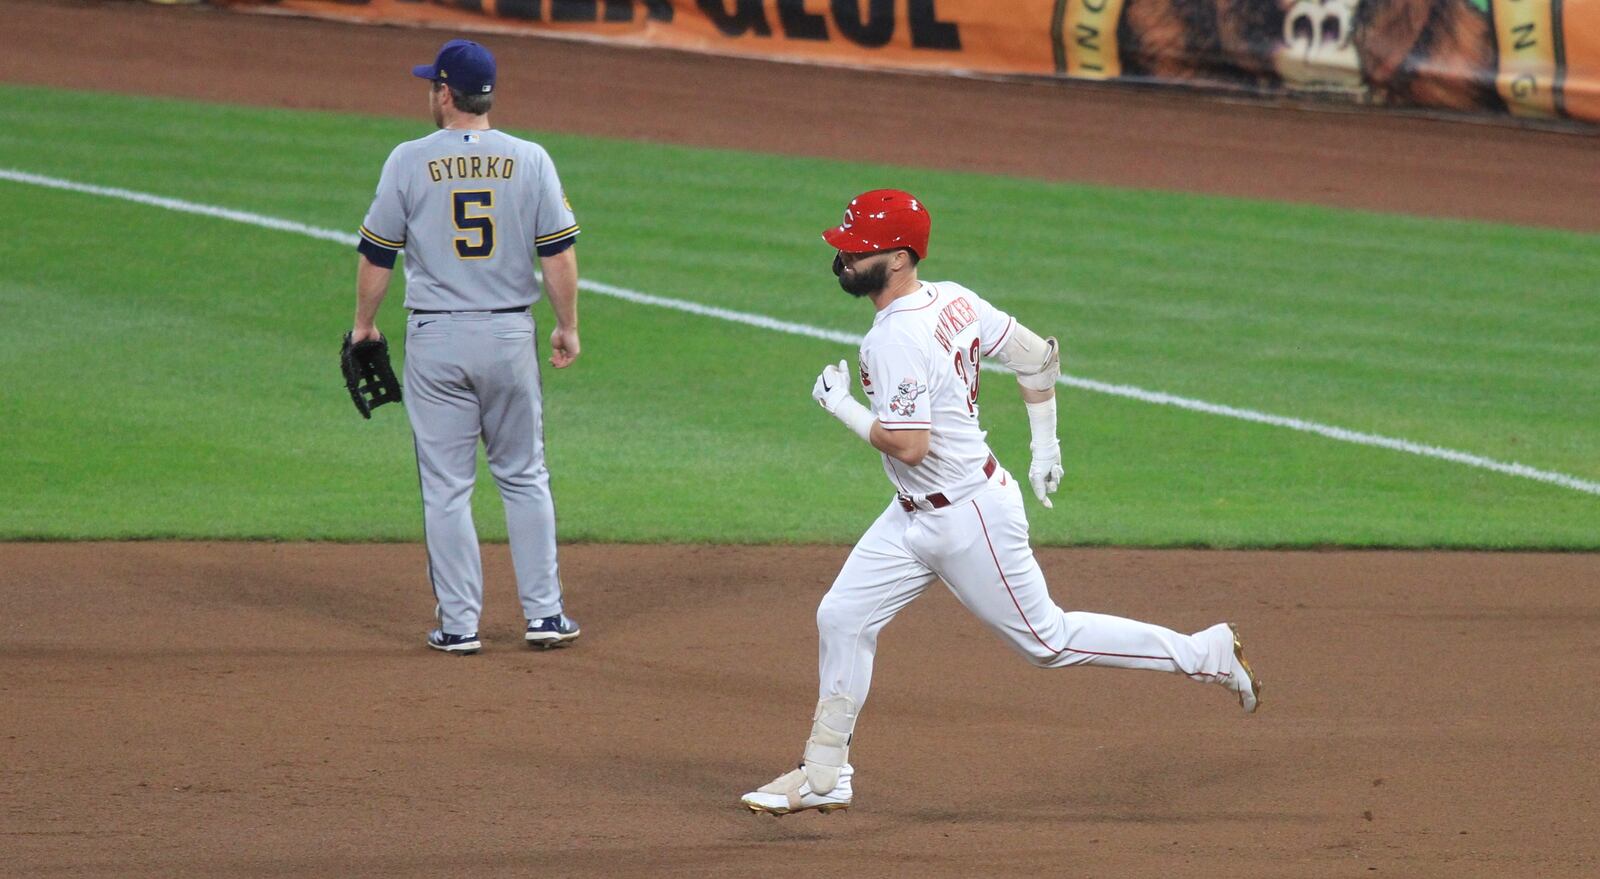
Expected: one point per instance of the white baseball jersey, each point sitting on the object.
(919, 368)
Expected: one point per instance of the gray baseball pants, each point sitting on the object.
(471, 375)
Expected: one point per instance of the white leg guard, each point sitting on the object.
(828, 749)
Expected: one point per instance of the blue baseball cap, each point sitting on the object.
(463, 65)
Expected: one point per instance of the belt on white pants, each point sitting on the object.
(938, 500)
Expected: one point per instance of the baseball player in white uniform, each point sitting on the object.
(957, 515)
(472, 207)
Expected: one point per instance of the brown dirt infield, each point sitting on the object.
(269, 710)
(194, 709)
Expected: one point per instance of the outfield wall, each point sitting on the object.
(1529, 58)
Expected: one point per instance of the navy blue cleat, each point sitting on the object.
(552, 631)
(461, 645)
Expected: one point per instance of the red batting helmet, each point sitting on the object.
(883, 219)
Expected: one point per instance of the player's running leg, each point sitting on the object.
(981, 549)
(878, 579)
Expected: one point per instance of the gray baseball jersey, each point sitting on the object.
(470, 209)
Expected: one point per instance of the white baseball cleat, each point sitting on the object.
(1243, 680)
(790, 793)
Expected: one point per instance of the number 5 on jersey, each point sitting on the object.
(471, 206)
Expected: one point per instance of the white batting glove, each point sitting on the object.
(1045, 473)
(833, 386)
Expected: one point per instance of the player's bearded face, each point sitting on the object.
(435, 105)
(862, 280)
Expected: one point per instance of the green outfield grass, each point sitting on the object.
(166, 375)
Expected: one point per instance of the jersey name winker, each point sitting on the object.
(953, 319)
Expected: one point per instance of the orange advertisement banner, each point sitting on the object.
(1538, 58)
(1579, 83)
(982, 36)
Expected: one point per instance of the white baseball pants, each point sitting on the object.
(979, 547)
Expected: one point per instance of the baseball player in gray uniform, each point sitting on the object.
(471, 206)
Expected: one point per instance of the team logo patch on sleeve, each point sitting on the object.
(905, 397)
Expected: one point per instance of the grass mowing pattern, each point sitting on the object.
(174, 376)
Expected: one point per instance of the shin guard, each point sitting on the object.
(828, 749)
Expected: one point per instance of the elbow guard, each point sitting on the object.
(1036, 361)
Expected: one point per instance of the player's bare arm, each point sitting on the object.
(1032, 396)
(561, 285)
(372, 284)
(908, 447)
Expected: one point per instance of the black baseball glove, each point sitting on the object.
(368, 375)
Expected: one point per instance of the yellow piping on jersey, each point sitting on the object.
(384, 242)
(557, 236)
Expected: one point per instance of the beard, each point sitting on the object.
(436, 105)
(862, 282)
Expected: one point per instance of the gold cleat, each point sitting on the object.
(790, 793)
(1249, 696)
(827, 809)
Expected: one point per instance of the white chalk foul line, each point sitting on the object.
(173, 204)
(762, 321)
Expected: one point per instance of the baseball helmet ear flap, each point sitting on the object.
(882, 219)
